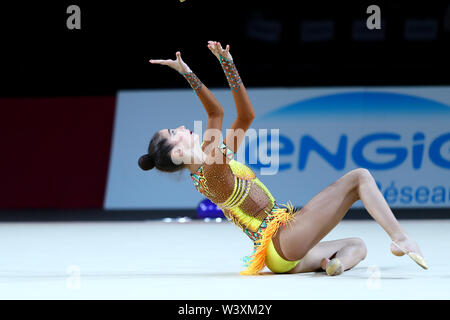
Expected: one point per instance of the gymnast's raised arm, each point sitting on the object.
(212, 106)
(244, 108)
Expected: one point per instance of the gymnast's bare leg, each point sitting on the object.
(300, 240)
(350, 252)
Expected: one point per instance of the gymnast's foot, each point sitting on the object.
(332, 267)
(405, 245)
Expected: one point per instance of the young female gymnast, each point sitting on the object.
(286, 240)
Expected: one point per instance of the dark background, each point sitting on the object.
(41, 57)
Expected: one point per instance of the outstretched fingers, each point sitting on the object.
(216, 49)
(167, 61)
(160, 61)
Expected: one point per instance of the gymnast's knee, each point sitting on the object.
(362, 174)
(360, 247)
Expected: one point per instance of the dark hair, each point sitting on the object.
(159, 155)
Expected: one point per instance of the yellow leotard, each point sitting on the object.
(276, 263)
(246, 201)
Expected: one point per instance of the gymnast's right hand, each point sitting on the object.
(178, 64)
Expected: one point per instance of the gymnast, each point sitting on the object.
(285, 239)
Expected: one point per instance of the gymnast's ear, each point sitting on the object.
(177, 155)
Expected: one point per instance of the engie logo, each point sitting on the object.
(413, 154)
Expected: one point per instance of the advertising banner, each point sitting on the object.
(300, 142)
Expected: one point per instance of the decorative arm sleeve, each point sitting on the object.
(193, 80)
(234, 80)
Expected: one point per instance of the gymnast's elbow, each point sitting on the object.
(218, 113)
(248, 117)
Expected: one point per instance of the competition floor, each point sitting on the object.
(201, 260)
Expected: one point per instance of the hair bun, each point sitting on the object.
(146, 162)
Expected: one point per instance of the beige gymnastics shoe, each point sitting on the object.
(417, 258)
(334, 267)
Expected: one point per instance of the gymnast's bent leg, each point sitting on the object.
(349, 252)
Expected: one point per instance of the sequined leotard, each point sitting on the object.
(244, 200)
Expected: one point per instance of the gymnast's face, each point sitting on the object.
(182, 139)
